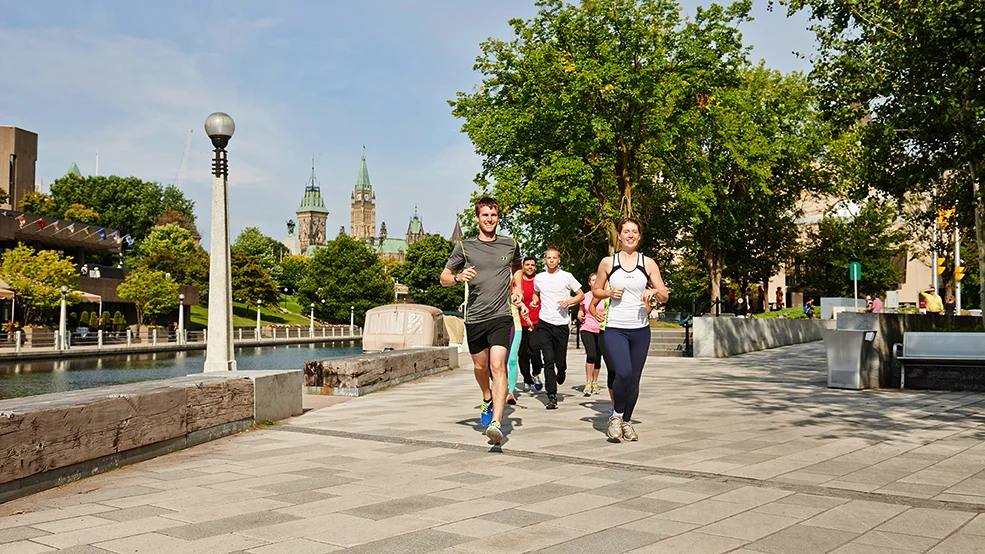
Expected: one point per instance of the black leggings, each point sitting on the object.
(529, 355)
(627, 348)
(594, 348)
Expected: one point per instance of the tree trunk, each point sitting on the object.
(979, 236)
(714, 262)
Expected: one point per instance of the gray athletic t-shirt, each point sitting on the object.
(489, 292)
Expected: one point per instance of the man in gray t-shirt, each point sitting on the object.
(489, 264)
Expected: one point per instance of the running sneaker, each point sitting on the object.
(615, 427)
(595, 388)
(527, 387)
(628, 433)
(588, 389)
(551, 402)
(485, 412)
(494, 432)
(538, 384)
(510, 399)
(560, 377)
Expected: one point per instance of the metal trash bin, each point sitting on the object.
(848, 352)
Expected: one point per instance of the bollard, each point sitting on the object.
(20, 341)
(273, 333)
(322, 332)
(155, 337)
(129, 337)
(99, 339)
(184, 336)
(240, 333)
(205, 334)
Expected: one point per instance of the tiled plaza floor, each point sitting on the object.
(746, 454)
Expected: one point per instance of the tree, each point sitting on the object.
(425, 260)
(872, 236)
(289, 272)
(345, 273)
(37, 278)
(152, 292)
(173, 216)
(38, 203)
(250, 280)
(171, 249)
(743, 165)
(254, 243)
(577, 116)
(913, 74)
(127, 204)
(81, 213)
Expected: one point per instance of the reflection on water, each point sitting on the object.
(41, 377)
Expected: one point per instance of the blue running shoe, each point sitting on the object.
(485, 412)
(538, 384)
(494, 433)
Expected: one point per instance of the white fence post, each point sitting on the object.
(99, 339)
(129, 337)
(19, 341)
(155, 337)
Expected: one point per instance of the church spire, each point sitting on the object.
(362, 182)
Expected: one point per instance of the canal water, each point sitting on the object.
(41, 377)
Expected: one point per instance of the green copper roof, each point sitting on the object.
(312, 202)
(394, 246)
(74, 170)
(416, 227)
(311, 249)
(362, 182)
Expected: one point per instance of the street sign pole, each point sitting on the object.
(855, 273)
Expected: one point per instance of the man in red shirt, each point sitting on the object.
(529, 345)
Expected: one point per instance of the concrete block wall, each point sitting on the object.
(364, 373)
(720, 337)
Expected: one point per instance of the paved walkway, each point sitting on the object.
(747, 454)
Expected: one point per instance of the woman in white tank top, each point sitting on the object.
(630, 280)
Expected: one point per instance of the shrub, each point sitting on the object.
(84, 318)
(106, 322)
(73, 319)
(94, 320)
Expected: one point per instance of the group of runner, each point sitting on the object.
(508, 301)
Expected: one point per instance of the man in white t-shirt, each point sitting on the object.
(554, 287)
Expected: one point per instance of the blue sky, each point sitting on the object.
(300, 79)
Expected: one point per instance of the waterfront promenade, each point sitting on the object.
(746, 454)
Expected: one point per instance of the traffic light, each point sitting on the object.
(958, 273)
(940, 265)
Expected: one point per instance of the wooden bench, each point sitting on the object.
(930, 349)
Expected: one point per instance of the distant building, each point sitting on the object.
(312, 216)
(362, 212)
(19, 148)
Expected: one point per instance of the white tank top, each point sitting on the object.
(629, 312)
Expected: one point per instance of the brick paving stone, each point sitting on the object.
(24, 547)
(802, 539)
(12, 534)
(609, 541)
(295, 546)
(898, 541)
(691, 542)
(749, 526)
(960, 543)
(224, 525)
(927, 523)
(856, 516)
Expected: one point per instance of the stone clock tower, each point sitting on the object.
(362, 215)
(312, 215)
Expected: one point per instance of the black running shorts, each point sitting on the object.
(494, 332)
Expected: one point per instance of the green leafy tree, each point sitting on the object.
(744, 164)
(577, 116)
(425, 260)
(913, 73)
(106, 321)
(119, 322)
(84, 318)
(873, 237)
(345, 273)
(170, 248)
(39, 203)
(94, 321)
(37, 278)
(254, 243)
(127, 204)
(289, 272)
(81, 213)
(251, 281)
(152, 292)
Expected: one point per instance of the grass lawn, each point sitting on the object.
(247, 317)
(789, 313)
(657, 324)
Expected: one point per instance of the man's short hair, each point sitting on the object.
(554, 248)
(530, 259)
(486, 201)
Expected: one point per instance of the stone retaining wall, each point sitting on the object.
(363, 373)
(889, 329)
(51, 439)
(720, 337)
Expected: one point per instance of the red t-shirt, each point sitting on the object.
(528, 296)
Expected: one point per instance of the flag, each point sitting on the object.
(71, 228)
(55, 224)
(86, 230)
(102, 234)
(40, 223)
(22, 219)
(116, 237)
(129, 240)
